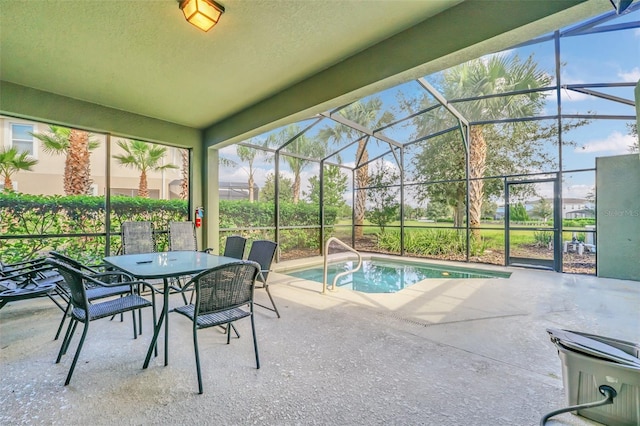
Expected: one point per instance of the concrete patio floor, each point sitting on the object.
(442, 352)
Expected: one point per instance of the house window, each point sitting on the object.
(21, 137)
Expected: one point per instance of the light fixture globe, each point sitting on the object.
(204, 14)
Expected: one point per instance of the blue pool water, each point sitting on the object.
(385, 276)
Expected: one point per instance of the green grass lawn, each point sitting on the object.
(492, 233)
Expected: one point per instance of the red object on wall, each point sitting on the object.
(198, 222)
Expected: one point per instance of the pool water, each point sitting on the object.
(384, 276)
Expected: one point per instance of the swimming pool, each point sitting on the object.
(388, 276)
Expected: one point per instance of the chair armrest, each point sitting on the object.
(128, 278)
(183, 288)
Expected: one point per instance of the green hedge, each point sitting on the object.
(43, 215)
(243, 215)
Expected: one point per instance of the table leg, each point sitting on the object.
(166, 323)
(164, 315)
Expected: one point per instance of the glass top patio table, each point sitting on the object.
(165, 265)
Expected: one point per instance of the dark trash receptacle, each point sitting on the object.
(590, 361)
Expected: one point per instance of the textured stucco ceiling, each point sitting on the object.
(142, 57)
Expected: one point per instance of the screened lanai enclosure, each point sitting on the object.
(490, 161)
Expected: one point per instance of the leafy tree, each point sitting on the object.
(518, 213)
(542, 209)
(298, 144)
(145, 158)
(384, 197)
(285, 193)
(489, 209)
(436, 210)
(76, 145)
(335, 184)
(633, 131)
(13, 161)
(368, 114)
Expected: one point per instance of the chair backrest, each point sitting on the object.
(75, 282)
(226, 286)
(137, 237)
(182, 236)
(262, 252)
(234, 246)
(72, 262)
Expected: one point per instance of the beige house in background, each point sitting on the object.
(47, 176)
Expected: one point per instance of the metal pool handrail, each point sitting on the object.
(341, 274)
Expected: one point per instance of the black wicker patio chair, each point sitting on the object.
(34, 268)
(83, 311)
(137, 237)
(234, 246)
(28, 279)
(116, 280)
(12, 290)
(182, 236)
(224, 294)
(262, 252)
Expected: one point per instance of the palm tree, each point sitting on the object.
(300, 145)
(13, 161)
(144, 157)
(482, 77)
(184, 184)
(76, 145)
(248, 155)
(368, 115)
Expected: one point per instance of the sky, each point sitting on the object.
(610, 57)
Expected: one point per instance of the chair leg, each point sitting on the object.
(133, 317)
(195, 347)
(155, 320)
(274, 309)
(266, 287)
(77, 355)
(64, 317)
(65, 340)
(73, 331)
(233, 327)
(228, 329)
(255, 342)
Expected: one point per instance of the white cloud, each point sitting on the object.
(631, 76)
(615, 143)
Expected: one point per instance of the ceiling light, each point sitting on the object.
(204, 14)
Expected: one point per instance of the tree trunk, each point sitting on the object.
(77, 173)
(296, 188)
(477, 166)
(184, 185)
(251, 183)
(459, 207)
(8, 185)
(362, 180)
(143, 188)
